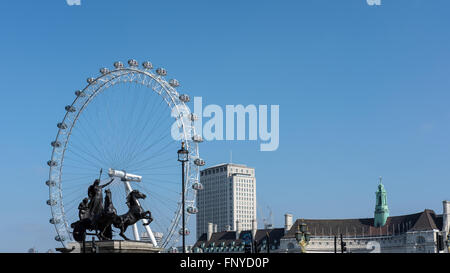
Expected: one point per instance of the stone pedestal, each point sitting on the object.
(112, 247)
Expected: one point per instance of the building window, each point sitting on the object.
(420, 239)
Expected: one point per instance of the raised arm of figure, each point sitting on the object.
(112, 179)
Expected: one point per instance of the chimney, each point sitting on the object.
(287, 222)
(446, 217)
(238, 229)
(215, 228)
(210, 231)
(227, 228)
(254, 228)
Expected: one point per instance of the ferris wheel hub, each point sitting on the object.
(124, 176)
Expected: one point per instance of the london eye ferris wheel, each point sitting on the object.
(128, 119)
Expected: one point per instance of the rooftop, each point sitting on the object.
(426, 220)
(228, 237)
(227, 164)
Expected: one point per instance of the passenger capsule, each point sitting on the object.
(118, 65)
(50, 183)
(147, 65)
(51, 202)
(199, 162)
(61, 126)
(59, 238)
(56, 144)
(80, 93)
(104, 70)
(197, 138)
(54, 221)
(90, 80)
(52, 163)
(133, 63)
(192, 210)
(161, 71)
(184, 98)
(197, 186)
(174, 83)
(70, 108)
(186, 231)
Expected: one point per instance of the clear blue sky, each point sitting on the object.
(363, 92)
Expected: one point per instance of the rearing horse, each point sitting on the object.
(134, 214)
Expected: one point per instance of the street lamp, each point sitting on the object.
(183, 157)
(302, 236)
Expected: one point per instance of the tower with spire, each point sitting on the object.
(381, 207)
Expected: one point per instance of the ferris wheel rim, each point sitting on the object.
(55, 190)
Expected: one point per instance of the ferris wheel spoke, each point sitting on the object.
(140, 151)
(85, 128)
(152, 131)
(109, 129)
(155, 155)
(158, 162)
(77, 185)
(161, 214)
(92, 158)
(73, 201)
(77, 178)
(88, 168)
(70, 174)
(70, 191)
(164, 181)
(92, 142)
(163, 199)
(162, 174)
(142, 115)
(139, 143)
(162, 187)
(162, 219)
(153, 162)
(157, 195)
(86, 161)
(154, 207)
(131, 136)
(167, 167)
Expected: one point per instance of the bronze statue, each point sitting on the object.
(96, 198)
(107, 217)
(100, 217)
(134, 214)
(83, 209)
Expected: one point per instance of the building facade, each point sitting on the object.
(412, 233)
(422, 232)
(263, 241)
(228, 198)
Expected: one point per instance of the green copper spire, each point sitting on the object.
(381, 207)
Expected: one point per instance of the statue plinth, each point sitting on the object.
(113, 246)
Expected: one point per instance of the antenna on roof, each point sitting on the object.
(268, 221)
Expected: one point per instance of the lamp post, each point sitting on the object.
(302, 236)
(183, 157)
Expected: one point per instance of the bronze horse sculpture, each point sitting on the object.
(134, 214)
